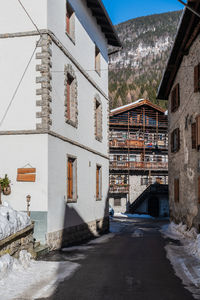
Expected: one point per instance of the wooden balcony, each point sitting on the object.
(134, 165)
(119, 188)
(137, 144)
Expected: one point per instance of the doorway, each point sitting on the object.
(153, 207)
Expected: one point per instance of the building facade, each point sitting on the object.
(138, 153)
(180, 86)
(54, 114)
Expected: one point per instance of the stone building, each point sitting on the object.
(54, 118)
(138, 156)
(180, 85)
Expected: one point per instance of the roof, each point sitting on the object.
(103, 20)
(135, 104)
(188, 29)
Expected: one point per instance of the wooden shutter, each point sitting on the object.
(172, 141)
(196, 78)
(175, 98)
(199, 189)
(198, 131)
(178, 139)
(176, 190)
(70, 179)
(193, 135)
(68, 97)
(97, 182)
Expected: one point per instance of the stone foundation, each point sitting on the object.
(21, 240)
(78, 233)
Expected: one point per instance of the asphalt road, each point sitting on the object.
(130, 265)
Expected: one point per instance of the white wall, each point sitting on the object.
(87, 34)
(85, 133)
(14, 19)
(15, 54)
(17, 151)
(87, 208)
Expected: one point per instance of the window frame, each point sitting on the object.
(73, 160)
(97, 62)
(176, 190)
(197, 78)
(98, 182)
(175, 98)
(98, 118)
(175, 148)
(70, 22)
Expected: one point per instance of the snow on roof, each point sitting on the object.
(127, 105)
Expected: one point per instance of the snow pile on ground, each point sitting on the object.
(9, 263)
(24, 278)
(133, 216)
(11, 220)
(179, 231)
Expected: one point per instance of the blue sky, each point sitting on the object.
(123, 10)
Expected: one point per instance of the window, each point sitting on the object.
(70, 22)
(71, 102)
(193, 133)
(199, 189)
(98, 118)
(71, 179)
(175, 140)
(197, 78)
(175, 98)
(97, 60)
(117, 201)
(176, 190)
(198, 132)
(98, 183)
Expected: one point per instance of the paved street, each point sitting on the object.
(131, 264)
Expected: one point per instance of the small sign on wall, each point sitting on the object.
(26, 174)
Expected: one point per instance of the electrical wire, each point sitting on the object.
(26, 68)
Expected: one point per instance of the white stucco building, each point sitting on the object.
(54, 127)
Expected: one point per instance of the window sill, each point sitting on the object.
(98, 72)
(98, 138)
(72, 200)
(72, 39)
(98, 199)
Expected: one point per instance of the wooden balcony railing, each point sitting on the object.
(119, 188)
(134, 165)
(137, 144)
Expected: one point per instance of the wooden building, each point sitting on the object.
(138, 152)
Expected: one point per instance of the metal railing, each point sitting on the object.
(119, 188)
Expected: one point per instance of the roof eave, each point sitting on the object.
(103, 20)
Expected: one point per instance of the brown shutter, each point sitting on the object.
(177, 96)
(68, 97)
(70, 179)
(199, 189)
(196, 78)
(172, 141)
(198, 131)
(97, 182)
(193, 134)
(176, 190)
(178, 139)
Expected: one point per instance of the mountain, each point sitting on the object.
(135, 72)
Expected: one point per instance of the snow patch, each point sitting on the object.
(28, 279)
(123, 215)
(11, 220)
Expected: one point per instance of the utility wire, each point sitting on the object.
(30, 18)
(26, 68)
(17, 88)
